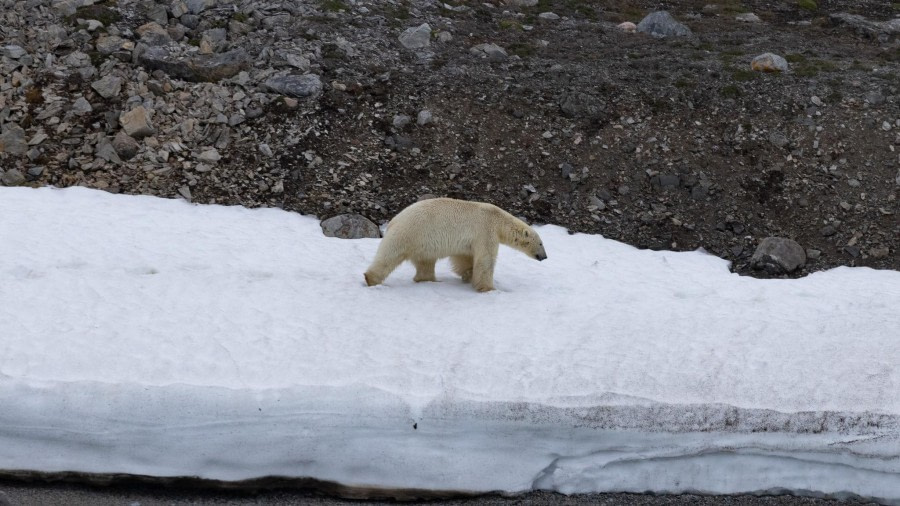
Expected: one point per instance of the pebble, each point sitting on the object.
(491, 51)
(12, 177)
(627, 27)
(747, 17)
(302, 86)
(424, 117)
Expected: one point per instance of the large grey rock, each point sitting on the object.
(12, 140)
(13, 51)
(196, 68)
(136, 123)
(350, 226)
(293, 85)
(491, 51)
(662, 24)
(769, 62)
(108, 87)
(881, 30)
(416, 37)
(778, 255)
(12, 177)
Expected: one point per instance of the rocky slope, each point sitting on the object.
(547, 108)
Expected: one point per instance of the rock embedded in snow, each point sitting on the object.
(136, 123)
(350, 226)
(662, 24)
(777, 255)
(292, 85)
(417, 37)
(769, 62)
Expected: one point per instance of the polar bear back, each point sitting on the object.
(441, 227)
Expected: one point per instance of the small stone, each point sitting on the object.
(136, 123)
(126, 147)
(854, 183)
(306, 85)
(874, 98)
(424, 118)
(769, 62)
(778, 139)
(198, 6)
(627, 27)
(350, 226)
(886, 126)
(210, 156)
(14, 52)
(108, 87)
(828, 230)
(816, 101)
(185, 192)
(662, 24)
(853, 251)
(548, 16)
(107, 151)
(777, 255)
(813, 254)
(491, 51)
(153, 34)
(12, 140)
(81, 106)
(178, 8)
(107, 45)
(747, 17)
(416, 37)
(12, 177)
(265, 150)
(879, 252)
(401, 120)
(35, 172)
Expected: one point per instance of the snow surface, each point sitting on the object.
(150, 336)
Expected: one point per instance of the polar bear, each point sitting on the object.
(468, 232)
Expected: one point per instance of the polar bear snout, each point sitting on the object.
(541, 255)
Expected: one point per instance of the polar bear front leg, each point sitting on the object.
(384, 264)
(483, 273)
(462, 266)
(424, 270)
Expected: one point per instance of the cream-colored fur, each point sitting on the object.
(468, 232)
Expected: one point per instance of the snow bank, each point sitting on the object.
(151, 336)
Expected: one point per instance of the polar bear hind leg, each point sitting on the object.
(462, 266)
(424, 270)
